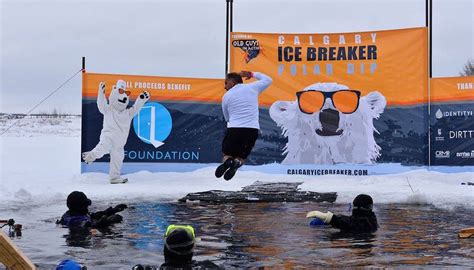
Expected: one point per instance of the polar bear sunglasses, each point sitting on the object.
(345, 101)
(121, 91)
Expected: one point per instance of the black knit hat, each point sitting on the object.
(179, 246)
(78, 202)
(363, 201)
(180, 241)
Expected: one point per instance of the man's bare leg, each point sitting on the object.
(241, 160)
(226, 157)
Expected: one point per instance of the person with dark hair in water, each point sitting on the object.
(179, 250)
(240, 109)
(362, 220)
(78, 215)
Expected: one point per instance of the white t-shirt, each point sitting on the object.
(240, 103)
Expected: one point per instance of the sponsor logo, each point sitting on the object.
(460, 134)
(250, 47)
(465, 86)
(464, 155)
(440, 114)
(153, 124)
(439, 137)
(442, 154)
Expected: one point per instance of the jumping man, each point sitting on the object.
(240, 108)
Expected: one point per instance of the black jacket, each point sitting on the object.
(361, 221)
(97, 220)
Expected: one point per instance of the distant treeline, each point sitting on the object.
(37, 115)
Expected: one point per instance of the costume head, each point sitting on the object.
(78, 202)
(119, 97)
(179, 244)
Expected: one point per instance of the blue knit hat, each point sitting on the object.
(69, 265)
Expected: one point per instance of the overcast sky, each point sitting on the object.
(42, 42)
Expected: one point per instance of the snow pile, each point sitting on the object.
(40, 164)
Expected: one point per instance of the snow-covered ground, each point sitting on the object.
(40, 164)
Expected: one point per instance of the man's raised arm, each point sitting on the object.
(263, 81)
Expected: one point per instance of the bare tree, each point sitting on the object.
(468, 69)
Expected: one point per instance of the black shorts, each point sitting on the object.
(238, 142)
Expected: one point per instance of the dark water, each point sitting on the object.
(269, 235)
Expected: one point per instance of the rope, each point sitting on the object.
(43, 100)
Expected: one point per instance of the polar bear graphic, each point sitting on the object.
(327, 135)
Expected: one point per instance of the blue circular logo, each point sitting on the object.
(153, 124)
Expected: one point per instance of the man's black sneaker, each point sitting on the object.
(233, 169)
(223, 167)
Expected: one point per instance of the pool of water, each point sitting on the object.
(253, 235)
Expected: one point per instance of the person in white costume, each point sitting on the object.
(116, 126)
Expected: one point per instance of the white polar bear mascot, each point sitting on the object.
(328, 124)
(116, 126)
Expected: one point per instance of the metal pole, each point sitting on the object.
(83, 64)
(227, 38)
(231, 15)
(429, 25)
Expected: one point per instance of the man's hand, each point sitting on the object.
(246, 74)
(145, 95)
(325, 217)
(114, 219)
(120, 207)
(102, 87)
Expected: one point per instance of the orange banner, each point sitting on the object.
(452, 89)
(393, 62)
(160, 88)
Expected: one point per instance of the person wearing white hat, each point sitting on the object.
(116, 126)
